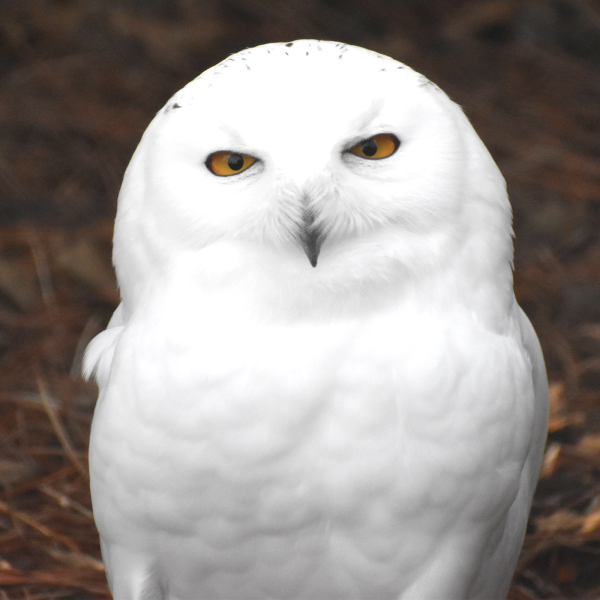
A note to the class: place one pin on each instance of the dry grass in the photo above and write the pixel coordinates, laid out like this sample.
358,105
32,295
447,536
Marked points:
81,80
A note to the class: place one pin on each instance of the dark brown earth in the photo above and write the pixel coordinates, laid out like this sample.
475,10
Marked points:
79,82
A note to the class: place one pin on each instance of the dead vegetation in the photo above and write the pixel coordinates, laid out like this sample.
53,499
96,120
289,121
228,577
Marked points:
79,83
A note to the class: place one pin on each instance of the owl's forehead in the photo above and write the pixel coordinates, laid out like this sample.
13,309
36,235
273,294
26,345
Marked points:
301,69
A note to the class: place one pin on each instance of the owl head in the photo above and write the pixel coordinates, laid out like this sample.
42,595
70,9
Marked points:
325,170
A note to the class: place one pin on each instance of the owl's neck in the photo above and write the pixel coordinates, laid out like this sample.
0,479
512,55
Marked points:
252,283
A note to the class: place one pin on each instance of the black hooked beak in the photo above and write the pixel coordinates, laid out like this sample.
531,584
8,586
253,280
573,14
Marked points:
311,237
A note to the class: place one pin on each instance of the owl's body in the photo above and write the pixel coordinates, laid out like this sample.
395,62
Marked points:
370,427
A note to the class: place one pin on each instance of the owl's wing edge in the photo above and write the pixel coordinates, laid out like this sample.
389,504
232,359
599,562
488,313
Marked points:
98,355
540,388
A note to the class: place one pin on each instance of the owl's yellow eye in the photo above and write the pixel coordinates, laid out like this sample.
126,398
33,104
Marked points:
378,146
228,163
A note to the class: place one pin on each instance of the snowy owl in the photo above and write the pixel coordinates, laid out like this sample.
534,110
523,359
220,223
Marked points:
318,384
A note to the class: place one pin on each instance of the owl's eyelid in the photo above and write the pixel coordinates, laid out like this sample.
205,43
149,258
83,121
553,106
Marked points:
231,151
360,139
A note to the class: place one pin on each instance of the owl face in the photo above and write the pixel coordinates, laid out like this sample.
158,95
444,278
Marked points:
314,155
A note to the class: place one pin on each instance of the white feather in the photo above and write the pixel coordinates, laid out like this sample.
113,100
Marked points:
371,428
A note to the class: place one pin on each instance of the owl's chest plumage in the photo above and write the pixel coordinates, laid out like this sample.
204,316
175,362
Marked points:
306,460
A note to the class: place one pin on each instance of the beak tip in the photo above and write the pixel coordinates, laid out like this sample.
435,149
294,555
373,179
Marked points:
312,251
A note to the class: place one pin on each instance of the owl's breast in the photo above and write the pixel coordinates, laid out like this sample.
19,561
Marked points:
326,454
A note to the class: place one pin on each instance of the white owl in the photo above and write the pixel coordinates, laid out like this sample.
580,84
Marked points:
318,384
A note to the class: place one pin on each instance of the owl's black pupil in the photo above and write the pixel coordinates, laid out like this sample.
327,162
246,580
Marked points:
235,162
369,148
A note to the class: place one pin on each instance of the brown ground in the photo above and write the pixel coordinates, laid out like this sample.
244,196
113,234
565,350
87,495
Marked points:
80,80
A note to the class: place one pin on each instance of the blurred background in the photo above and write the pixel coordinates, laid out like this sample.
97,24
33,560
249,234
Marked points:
79,82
